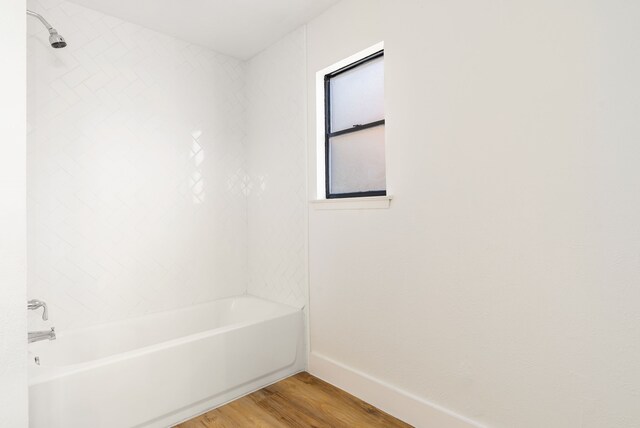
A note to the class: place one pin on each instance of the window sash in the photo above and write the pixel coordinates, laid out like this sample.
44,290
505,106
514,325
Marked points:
329,134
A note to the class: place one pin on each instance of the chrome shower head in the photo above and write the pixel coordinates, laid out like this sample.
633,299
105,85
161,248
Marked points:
56,40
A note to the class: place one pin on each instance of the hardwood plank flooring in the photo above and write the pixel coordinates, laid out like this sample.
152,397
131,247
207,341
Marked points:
300,401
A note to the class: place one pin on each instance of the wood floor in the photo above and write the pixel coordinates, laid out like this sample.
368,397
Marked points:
299,401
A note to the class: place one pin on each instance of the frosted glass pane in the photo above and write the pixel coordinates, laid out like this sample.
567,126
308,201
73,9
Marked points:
357,95
357,161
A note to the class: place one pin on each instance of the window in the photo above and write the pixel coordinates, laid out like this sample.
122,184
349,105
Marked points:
354,129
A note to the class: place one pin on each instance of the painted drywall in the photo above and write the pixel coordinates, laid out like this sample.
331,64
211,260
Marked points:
13,281
137,180
276,161
503,281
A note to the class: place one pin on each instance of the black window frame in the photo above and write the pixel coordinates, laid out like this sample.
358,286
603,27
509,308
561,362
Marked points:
355,128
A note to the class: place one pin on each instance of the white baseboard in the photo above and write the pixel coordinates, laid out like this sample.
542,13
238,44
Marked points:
407,407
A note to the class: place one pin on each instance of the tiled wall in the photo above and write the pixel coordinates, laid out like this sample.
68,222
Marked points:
276,142
136,170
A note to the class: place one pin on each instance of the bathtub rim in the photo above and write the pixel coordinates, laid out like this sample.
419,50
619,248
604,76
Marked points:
51,373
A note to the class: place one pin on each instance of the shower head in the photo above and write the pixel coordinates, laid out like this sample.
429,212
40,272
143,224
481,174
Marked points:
56,40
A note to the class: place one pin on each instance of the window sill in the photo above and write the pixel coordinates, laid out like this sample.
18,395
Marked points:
364,203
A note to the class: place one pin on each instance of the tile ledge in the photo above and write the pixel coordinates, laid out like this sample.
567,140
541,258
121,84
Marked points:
363,203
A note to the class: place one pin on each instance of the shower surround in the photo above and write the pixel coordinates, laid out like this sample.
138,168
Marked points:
147,185
162,177
135,171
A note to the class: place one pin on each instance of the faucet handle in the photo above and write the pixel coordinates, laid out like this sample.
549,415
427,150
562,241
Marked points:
34,304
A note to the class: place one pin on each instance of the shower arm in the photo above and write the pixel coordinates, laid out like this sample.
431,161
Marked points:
55,39
44,21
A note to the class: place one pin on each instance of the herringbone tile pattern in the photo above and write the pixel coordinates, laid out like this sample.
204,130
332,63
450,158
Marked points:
160,174
276,142
137,179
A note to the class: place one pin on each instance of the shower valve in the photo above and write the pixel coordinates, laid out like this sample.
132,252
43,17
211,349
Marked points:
35,304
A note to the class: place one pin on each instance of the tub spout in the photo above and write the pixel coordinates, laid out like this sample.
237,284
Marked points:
36,336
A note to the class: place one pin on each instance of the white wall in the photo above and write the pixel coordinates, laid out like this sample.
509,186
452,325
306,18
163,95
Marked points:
276,161
503,281
137,179
13,320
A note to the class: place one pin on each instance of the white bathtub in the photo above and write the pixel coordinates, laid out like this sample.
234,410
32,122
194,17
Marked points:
161,369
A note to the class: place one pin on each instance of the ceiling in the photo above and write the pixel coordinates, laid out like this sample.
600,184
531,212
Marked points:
240,28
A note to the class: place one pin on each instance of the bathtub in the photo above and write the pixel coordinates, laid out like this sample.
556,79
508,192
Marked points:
161,369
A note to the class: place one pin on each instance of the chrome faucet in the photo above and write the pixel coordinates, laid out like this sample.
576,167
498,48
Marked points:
36,336
35,304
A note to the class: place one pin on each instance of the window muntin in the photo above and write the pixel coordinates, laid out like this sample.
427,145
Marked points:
354,129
